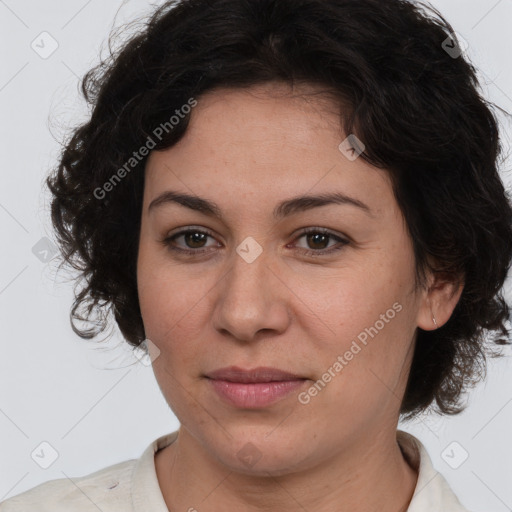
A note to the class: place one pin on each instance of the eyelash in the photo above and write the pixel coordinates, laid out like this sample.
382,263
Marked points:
167,242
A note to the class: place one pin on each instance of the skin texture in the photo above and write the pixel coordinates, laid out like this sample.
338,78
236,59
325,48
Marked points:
248,150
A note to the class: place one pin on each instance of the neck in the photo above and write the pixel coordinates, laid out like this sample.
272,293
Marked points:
372,475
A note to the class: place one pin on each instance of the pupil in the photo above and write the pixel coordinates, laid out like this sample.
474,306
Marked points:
315,236
195,237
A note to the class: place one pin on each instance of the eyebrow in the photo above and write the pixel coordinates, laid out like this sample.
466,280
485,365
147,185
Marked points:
284,209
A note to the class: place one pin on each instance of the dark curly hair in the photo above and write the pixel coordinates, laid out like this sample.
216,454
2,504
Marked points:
408,92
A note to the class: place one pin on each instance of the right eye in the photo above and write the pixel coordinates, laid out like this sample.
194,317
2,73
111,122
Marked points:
194,239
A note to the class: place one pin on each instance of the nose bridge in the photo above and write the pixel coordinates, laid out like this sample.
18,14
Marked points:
248,300
249,266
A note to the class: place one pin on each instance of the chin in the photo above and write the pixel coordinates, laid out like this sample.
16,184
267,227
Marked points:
254,461
260,452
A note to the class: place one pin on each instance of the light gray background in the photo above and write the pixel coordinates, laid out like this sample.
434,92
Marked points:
98,406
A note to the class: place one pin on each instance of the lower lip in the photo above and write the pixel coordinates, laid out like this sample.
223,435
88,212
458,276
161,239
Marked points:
254,395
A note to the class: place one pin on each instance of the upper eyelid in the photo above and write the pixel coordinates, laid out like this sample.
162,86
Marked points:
302,232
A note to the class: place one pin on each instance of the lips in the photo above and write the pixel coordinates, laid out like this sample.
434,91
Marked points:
260,374
254,389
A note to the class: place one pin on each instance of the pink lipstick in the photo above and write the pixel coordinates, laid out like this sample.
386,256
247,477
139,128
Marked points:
254,388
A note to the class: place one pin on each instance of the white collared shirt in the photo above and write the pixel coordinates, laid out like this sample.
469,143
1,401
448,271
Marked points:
132,486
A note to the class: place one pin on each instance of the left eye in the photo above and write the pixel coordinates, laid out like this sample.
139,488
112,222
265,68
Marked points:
321,236
195,238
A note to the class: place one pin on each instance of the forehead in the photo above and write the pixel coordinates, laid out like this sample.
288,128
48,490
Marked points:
262,142
263,114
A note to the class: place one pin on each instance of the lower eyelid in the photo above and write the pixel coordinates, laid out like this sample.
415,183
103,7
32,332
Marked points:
331,236
169,242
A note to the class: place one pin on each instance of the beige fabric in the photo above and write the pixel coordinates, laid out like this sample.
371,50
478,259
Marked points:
132,486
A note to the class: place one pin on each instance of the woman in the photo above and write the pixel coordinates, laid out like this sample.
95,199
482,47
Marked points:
295,206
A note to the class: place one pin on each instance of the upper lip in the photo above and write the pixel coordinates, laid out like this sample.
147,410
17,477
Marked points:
259,374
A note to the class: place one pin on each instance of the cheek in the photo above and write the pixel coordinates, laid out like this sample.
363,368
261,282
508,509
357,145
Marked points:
352,299
169,298
367,319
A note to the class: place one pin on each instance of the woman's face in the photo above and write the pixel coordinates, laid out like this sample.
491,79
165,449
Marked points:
257,292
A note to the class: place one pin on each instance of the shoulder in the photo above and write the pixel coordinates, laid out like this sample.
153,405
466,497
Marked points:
432,491
122,486
106,489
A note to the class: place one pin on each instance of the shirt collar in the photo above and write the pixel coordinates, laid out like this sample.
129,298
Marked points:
146,492
432,491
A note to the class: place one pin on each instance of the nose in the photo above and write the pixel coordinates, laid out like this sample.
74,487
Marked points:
251,300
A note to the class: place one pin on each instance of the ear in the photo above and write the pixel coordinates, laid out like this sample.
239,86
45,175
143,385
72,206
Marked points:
438,300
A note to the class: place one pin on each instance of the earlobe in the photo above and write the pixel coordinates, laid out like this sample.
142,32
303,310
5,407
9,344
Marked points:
439,301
